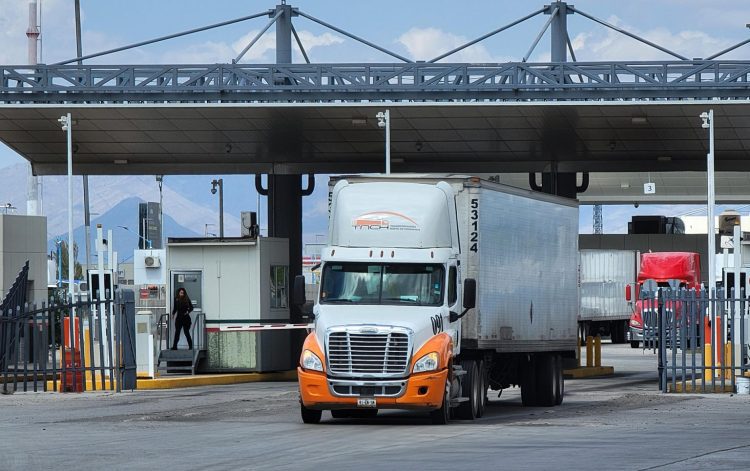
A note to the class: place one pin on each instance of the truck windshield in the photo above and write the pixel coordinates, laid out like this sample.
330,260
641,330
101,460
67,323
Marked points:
367,283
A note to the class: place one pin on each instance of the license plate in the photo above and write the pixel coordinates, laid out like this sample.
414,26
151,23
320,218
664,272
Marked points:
366,402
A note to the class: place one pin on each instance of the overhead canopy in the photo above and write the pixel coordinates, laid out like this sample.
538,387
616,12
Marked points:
489,138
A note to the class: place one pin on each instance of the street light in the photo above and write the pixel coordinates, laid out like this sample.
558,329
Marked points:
67,126
160,182
220,184
384,121
148,241
708,123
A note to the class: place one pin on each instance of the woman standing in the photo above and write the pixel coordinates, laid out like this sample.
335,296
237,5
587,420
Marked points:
181,309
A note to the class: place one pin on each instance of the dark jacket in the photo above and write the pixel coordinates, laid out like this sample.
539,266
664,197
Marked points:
182,307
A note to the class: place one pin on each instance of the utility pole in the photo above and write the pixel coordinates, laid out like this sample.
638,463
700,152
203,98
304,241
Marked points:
32,181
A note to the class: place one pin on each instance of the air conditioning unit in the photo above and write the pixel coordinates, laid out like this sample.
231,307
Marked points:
152,261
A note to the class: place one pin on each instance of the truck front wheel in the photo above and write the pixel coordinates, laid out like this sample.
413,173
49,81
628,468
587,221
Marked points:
442,415
310,416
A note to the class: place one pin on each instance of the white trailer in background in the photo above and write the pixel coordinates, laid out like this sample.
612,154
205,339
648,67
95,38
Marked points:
434,290
603,276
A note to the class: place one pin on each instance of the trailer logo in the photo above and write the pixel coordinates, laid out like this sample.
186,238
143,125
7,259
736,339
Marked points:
384,220
437,323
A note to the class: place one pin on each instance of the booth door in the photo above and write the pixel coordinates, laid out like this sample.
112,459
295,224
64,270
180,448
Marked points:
192,281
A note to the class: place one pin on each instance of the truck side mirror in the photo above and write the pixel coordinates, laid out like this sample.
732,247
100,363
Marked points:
470,293
470,299
298,291
628,293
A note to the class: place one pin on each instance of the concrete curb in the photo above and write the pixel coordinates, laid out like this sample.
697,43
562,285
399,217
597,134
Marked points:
589,372
177,382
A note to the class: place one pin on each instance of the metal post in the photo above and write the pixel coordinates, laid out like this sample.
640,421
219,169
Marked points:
58,242
384,121
220,184
708,122
283,34
559,32
221,208
67,125
662,340
32,182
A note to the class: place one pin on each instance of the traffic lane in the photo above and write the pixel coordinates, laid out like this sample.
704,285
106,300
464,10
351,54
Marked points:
620,420
247,429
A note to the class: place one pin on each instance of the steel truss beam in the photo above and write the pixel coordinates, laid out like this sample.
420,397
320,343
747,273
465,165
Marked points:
421,82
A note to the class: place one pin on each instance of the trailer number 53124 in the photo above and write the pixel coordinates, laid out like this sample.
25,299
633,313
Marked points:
474,235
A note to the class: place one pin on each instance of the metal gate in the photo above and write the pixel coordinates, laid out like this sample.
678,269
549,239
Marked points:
68,346
701,338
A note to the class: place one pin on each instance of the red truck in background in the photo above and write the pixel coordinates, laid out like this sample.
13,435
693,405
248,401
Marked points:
661,267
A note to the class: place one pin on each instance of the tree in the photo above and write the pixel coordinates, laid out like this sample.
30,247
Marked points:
77,268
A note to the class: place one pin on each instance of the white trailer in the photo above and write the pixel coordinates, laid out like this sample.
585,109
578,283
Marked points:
603,275
434,290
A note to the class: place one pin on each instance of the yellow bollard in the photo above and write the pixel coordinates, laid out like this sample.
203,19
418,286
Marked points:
728,360
598,351
589,350
707,362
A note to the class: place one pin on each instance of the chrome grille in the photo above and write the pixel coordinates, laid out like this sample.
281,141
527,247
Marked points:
368,354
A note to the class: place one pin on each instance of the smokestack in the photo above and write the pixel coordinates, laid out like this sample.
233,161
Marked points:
32,182
33,33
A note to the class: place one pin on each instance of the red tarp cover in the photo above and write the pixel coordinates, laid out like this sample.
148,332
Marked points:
663,266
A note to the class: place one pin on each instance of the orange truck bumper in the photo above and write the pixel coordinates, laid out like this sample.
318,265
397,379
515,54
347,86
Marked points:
424,391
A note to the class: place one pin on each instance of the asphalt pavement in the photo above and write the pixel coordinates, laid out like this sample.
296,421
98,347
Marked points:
619,422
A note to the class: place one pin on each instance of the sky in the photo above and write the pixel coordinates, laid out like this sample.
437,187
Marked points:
417,29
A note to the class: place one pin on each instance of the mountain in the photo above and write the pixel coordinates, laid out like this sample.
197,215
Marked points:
188,201
125,239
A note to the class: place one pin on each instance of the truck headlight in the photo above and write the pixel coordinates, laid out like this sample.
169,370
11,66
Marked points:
310,361
428,362
635,323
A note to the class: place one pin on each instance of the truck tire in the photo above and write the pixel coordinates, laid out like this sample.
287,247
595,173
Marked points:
634,344
482,388
546,380
560,383
310,416
441,416
471,384
528,384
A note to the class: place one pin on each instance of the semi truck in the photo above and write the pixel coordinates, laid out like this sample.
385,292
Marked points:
434,291
603,276
661,267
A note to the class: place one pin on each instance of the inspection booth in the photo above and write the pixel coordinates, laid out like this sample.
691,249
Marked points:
237,283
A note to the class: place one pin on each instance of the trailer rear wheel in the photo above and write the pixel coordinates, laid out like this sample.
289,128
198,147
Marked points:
528,384
540,378
546,380
310,416
471,384
560,380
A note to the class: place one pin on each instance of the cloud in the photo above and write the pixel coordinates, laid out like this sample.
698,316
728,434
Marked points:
57,38
605,44
427,43
262,51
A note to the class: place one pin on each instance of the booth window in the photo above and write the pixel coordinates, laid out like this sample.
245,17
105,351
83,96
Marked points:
279,283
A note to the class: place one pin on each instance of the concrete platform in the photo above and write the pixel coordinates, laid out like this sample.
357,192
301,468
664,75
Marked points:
589,372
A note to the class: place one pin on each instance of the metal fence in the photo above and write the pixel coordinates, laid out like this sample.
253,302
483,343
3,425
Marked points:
701,338
69,346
